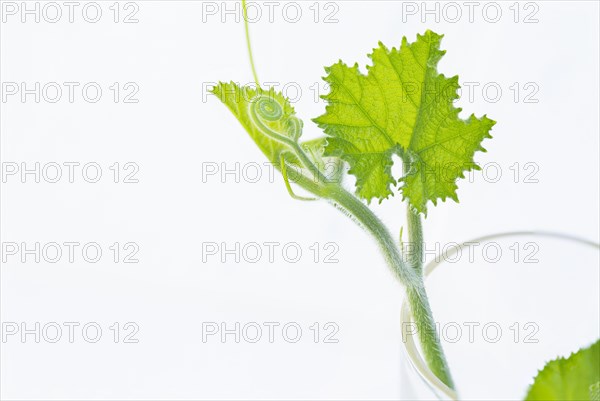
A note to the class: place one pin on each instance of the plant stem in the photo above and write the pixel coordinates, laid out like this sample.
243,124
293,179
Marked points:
419,302
367,219
414,250
428,336
410,277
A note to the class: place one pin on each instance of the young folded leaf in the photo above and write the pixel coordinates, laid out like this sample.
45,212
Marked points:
271,122
265,114
402,106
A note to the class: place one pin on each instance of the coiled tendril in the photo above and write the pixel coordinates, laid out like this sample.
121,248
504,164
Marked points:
294,127
264,110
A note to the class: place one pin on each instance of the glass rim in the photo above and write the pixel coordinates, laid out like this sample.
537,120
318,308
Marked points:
411,348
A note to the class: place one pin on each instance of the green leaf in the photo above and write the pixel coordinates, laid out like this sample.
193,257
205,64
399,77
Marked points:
332,167
271,122
574,378
266,115
401,106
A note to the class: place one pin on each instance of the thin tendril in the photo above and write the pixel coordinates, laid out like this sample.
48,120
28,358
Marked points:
248,44
287,181
263,107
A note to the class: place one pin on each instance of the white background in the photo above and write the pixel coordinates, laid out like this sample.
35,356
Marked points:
175,130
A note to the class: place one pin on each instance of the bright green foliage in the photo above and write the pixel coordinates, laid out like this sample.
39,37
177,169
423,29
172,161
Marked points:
270,121
266,115
402,106
574,378
332,167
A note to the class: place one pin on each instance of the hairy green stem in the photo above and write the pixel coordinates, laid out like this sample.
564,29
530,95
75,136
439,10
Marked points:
408,275
428,336
414,250
367,219
419,302
308,163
